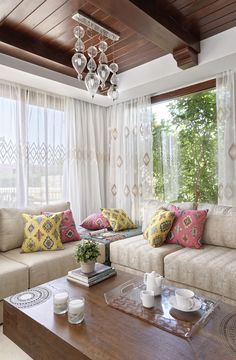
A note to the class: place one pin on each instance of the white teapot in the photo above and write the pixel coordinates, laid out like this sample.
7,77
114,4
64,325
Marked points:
153,281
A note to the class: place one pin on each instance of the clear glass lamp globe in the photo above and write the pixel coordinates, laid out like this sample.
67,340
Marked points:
79,46
103,72
114,67
92,83
114,79
79,32
92,51
113,92
103,58
102,46
79,62
91,66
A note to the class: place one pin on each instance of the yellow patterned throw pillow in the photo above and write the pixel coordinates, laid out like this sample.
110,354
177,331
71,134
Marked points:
42,233
161,223
118,219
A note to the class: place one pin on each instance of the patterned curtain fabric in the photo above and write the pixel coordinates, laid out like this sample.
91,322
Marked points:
225,100
86,157
130,168
170,166
31,146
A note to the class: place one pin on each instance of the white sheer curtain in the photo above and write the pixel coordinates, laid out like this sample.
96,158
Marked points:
31,146
130,168
86,157
226,118
170,158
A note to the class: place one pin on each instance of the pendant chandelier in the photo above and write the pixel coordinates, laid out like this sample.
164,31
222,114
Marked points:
94,57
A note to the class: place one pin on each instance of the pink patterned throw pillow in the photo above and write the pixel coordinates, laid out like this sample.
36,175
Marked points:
188,227
95,222
68,230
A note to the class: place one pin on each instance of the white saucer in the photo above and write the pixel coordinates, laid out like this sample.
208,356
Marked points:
197,305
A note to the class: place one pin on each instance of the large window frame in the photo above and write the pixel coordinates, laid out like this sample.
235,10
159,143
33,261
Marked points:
188,90
172,161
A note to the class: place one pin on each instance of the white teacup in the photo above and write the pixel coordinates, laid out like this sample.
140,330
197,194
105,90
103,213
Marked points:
147,297
184,298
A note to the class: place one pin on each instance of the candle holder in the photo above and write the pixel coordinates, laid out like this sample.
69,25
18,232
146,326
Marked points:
60,302
76,310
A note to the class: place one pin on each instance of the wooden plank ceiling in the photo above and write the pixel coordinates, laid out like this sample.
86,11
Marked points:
41,31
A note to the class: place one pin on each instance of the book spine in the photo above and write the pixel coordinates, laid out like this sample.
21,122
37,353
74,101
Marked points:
102,278
76,281
92,283
88,279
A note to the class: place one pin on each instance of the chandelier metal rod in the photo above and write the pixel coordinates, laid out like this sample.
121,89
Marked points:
93,24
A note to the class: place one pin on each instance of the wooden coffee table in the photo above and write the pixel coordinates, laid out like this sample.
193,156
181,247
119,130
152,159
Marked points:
106,333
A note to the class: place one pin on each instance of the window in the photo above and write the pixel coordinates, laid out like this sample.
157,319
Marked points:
185,148
46,152
7,153
32,147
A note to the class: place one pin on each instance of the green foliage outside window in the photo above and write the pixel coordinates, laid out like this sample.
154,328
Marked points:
193,124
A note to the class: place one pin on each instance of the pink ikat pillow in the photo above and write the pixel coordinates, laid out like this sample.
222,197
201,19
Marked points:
95,222
68,230
187,228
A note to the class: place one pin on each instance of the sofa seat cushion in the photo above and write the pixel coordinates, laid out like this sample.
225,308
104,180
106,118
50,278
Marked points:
137,254
13,277
212,268
48,265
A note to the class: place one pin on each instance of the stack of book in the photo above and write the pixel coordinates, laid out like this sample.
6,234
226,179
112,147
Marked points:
100,273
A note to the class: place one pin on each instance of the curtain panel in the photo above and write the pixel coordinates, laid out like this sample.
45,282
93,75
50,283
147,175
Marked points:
31,146
226,119
130,167
87,157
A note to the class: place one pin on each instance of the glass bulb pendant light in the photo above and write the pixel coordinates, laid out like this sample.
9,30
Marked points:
113,92
114,79
92,53
103,73
102,47
92,83
79,46
114,67
79,62
103,70
79,32
98,70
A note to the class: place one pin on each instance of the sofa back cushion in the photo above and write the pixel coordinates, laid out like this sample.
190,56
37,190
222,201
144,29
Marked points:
151,206
12,223
220,226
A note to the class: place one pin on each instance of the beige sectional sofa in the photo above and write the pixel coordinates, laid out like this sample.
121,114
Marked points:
20,271
210,270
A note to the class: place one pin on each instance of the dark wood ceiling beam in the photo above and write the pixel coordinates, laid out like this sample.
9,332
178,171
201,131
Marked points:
185,57
156,25
37,60
33,45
